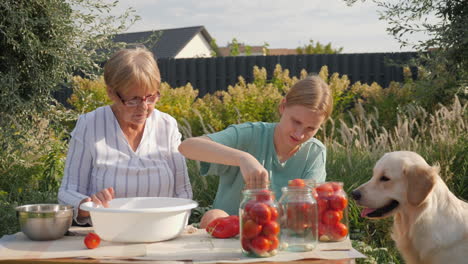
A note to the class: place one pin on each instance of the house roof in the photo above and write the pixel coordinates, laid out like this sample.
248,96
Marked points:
169,42
282,52
225,51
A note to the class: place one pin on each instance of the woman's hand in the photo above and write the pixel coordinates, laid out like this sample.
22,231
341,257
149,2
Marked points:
83,213
103,197
255,175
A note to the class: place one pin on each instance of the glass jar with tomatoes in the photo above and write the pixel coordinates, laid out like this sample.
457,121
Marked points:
332,204
299,222
259,223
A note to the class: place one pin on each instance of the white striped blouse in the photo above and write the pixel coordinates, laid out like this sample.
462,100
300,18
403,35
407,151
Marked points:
100,156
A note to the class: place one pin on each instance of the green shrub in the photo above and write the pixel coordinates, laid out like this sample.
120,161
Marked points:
31,162
88,94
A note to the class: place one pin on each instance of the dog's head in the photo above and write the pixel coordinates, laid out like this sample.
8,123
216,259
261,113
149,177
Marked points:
399,179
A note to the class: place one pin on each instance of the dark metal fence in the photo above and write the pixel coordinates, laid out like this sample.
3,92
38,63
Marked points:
211,74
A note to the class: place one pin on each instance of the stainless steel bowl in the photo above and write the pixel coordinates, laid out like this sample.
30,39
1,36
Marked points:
44,221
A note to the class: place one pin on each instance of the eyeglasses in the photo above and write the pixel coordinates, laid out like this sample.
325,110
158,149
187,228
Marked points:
149,100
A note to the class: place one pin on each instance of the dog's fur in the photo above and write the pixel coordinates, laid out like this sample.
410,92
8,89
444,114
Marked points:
430,224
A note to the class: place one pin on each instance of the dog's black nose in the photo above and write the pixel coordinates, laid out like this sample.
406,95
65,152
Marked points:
356,195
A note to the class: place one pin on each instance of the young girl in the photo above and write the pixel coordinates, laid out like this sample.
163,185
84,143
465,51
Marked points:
255,155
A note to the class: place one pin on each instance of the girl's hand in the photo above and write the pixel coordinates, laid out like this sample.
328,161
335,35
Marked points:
103,197
255,175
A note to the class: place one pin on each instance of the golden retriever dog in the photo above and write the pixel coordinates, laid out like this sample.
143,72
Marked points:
430,224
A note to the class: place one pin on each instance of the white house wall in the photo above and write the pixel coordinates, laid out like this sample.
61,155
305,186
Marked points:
196,48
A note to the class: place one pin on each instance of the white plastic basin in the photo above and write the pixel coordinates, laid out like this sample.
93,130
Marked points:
140,219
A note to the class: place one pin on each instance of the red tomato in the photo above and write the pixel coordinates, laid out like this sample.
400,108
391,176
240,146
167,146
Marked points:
274,213
250,229
260,213
331,217
325,190
322,205
322,229
292,211
338,202
264,195
224,227
306,212
338,231
246,245
298,227
311,214
296,220
314,193
296,183
274,242
233,218
248,206
260,245
92,240
307,208
271,228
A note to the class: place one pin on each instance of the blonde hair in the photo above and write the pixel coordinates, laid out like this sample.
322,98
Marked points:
313,93
128,67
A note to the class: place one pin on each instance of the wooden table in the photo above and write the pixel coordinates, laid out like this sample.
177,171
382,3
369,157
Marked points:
109,261
131,261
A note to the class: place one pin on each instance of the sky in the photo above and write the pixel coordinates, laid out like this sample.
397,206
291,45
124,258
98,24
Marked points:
280,23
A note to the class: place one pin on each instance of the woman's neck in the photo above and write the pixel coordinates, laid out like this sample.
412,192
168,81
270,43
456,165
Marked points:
283,152
133,132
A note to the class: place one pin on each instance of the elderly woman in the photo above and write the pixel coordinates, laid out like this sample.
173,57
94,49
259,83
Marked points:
127,149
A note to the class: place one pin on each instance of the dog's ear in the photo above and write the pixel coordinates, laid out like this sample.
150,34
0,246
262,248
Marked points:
421,181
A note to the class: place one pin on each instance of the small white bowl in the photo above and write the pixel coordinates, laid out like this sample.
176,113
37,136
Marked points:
140,219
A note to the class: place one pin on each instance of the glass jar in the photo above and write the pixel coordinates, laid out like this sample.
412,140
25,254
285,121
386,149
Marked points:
332,211
259,223
299,222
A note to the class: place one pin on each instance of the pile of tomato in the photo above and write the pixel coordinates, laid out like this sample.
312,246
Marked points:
259,226
332,205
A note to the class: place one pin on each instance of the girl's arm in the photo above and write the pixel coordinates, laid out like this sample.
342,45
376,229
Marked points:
204,149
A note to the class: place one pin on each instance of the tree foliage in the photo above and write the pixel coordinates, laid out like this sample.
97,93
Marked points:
318,48
444,54
237,48
214,48
234,47
43,43
445,21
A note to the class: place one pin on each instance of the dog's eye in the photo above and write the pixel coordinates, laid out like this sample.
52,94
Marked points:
384,178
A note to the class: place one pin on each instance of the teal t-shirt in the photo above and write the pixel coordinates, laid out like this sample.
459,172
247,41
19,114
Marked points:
257,139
